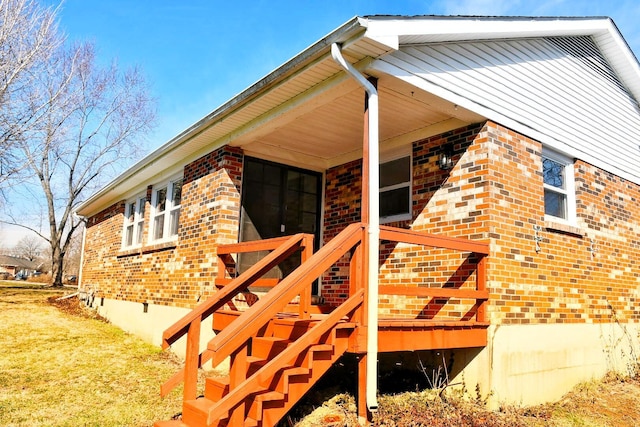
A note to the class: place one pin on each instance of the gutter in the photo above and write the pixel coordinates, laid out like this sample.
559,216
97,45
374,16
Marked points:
373,228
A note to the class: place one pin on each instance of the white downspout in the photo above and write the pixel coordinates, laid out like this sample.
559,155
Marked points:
374,228
84,239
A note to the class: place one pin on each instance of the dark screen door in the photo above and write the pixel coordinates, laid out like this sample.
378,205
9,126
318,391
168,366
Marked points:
278,200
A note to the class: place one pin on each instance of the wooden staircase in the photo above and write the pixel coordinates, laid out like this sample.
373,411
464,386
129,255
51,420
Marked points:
268,398
275,357
277,354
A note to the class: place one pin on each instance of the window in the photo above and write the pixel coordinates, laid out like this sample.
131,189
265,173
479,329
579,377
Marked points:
134,221
395,188
166,210
559,189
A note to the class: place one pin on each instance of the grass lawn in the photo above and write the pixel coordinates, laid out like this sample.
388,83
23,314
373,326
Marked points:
59,369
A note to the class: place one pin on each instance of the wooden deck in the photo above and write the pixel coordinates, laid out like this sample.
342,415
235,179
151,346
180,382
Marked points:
393,334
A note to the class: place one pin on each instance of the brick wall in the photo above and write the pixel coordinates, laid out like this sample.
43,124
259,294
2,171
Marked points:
494,193
178,273
343,190
566,281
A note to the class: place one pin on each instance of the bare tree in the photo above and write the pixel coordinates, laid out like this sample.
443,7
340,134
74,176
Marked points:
29,247
73,255
28,36
87,122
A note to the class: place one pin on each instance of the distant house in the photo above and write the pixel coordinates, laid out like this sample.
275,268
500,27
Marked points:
482,199
14,265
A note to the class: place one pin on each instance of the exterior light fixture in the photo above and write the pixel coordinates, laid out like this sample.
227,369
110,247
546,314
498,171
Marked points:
445,159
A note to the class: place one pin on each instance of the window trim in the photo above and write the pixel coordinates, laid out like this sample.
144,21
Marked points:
168,210
136,223
389,156
570,188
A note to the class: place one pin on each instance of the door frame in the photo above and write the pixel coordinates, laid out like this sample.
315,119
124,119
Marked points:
319,202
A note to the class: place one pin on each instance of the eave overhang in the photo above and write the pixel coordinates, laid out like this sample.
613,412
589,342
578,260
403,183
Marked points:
310,86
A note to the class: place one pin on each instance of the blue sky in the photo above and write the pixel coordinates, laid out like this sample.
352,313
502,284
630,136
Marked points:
197,54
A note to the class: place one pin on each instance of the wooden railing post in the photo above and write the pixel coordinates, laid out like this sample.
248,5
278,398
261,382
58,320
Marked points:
237,375
192,360
304,305
481,285
222,268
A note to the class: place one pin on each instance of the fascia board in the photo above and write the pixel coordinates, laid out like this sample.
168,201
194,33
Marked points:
455,29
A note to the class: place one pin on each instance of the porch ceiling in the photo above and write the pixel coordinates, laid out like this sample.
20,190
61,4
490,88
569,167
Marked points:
331,132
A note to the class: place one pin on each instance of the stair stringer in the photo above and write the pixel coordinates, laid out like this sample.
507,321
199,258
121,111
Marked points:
329,337
318,361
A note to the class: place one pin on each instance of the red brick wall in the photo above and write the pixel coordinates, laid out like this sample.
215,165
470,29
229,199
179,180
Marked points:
565,282
495,193
179,273
343,190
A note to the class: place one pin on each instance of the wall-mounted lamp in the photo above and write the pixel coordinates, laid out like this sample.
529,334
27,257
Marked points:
445,159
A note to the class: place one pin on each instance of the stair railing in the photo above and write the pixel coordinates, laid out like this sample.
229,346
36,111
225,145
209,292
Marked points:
233,341
190,324
478,248
262,377
258,315
226,262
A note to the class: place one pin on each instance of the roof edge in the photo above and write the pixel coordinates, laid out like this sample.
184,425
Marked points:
345,32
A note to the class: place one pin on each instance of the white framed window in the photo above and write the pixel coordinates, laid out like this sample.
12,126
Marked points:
165,213
559,187
134,221
395,185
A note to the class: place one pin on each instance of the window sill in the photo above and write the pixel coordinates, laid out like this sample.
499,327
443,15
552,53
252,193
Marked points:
156,247
558,227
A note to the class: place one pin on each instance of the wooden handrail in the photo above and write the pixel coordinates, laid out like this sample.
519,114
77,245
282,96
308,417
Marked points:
435,241
220,298
264,374
421,291
253,245
190,323
250,321
479,248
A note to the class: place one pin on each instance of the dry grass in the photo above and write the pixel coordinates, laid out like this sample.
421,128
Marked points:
61,369
63,366
614,402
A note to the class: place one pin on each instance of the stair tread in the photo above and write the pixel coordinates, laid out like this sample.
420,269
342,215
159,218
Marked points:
296,370
200,404
322,347
171,423
269,395
222,380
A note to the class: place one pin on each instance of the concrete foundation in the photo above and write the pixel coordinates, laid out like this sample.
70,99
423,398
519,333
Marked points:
150,321
522,364
531,364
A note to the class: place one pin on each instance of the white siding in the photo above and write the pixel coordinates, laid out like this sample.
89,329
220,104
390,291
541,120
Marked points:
558,90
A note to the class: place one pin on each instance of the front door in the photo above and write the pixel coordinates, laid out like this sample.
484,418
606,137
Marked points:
278,200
